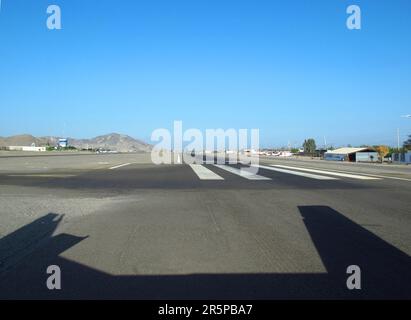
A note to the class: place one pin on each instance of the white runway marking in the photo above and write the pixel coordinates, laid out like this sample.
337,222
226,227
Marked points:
387,177
332,173
205,174
372,175
119,166
307,175
243,173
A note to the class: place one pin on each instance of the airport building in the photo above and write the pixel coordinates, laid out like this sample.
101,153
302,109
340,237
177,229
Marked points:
352,155
63,143
26,148
402,157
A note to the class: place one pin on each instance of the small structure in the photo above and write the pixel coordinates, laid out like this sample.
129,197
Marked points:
352,155
320,153
404,157
63,143
26,148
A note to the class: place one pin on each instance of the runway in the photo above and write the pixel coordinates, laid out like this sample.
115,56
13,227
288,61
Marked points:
121,227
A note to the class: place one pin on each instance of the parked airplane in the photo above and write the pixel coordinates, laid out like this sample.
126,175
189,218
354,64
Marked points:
285,154
282,154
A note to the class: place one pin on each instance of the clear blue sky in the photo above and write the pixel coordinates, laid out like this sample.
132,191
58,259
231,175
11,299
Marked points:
290,68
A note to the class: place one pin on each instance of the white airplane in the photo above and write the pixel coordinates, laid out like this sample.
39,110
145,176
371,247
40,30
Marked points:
282,154
285,154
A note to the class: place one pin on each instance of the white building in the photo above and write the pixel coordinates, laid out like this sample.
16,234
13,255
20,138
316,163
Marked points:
63,143
26,148
352,155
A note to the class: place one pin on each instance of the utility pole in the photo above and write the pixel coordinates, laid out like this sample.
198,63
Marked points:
398,139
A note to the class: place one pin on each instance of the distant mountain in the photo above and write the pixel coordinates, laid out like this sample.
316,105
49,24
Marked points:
20,140
112,141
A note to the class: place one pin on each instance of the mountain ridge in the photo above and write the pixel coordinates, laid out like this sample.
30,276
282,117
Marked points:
113,141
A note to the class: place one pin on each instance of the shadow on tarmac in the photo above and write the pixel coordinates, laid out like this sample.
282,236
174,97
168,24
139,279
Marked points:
339,242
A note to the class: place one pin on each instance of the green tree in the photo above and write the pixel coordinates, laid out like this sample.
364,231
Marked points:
309,146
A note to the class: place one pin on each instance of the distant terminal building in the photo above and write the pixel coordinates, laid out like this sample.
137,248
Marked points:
26,148
63,143
352,155
404,157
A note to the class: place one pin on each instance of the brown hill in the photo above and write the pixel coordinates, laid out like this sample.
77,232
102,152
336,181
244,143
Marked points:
112,141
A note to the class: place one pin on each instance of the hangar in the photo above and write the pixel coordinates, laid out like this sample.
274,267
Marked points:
352,155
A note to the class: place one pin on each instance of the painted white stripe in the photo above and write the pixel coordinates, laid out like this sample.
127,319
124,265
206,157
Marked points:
371,175
387,177
243,173
204,173
119,166
296,173
332,173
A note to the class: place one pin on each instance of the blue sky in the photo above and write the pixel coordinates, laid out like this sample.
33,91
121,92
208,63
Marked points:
290,68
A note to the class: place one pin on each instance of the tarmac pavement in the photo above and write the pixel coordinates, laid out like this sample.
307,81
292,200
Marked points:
121,227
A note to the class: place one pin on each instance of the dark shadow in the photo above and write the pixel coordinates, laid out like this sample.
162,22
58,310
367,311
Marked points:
25,239
339,241
386,271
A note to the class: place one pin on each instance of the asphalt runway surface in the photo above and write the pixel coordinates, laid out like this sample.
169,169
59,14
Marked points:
120,227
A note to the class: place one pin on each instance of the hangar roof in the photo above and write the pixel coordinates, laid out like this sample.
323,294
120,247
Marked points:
350,150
